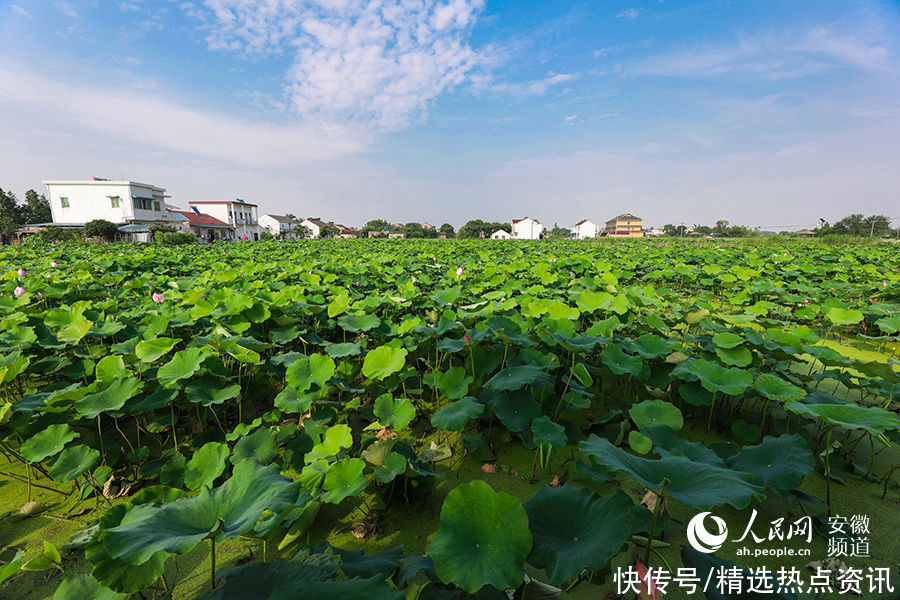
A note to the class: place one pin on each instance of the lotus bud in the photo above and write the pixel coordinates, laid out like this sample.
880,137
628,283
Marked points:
19,290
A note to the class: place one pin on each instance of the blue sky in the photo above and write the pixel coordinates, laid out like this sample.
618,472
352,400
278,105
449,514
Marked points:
770,114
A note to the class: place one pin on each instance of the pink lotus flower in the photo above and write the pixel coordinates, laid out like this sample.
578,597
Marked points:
53,264
19,290
159,299
467,338
40,295
884,284
459,272
21,272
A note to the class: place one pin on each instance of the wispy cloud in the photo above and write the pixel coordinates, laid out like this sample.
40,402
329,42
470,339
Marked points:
141,119
20,11
536,87
379,63
629,13
773,56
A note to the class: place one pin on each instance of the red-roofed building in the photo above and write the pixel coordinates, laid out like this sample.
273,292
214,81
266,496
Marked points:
585,229
205,227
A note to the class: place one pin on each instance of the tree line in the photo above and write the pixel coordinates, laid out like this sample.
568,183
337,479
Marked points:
13,215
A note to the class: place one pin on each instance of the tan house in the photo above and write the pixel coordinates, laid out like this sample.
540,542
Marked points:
806,233
625,225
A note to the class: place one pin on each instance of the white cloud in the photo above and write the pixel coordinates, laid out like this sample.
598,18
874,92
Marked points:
629,13
139,119
773,56
379,62
537,87
20,11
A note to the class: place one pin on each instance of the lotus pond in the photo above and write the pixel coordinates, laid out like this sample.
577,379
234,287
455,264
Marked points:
449,419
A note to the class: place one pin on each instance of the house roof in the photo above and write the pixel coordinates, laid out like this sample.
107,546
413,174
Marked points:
201,219
282,218
514,221
581,222
625,216
317,222
221,202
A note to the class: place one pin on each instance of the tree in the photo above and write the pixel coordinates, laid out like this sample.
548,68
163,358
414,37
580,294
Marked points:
414,230
447,230
9,215
559,232
303,232
329,231
721,228
703,229
36,209
157,228
374,225
100,228
878,226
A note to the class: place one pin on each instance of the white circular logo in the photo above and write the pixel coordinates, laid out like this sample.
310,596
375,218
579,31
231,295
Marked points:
701,539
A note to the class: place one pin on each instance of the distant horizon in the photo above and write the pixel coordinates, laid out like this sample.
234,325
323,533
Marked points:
767,115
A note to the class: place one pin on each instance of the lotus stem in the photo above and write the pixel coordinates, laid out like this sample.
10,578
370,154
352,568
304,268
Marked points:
828,472
31,483
656,510
712,407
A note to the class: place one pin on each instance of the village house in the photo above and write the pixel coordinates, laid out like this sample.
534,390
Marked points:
346,232
585,230
527,229
206,227
240,215
131,205
281,226
501,234
625,225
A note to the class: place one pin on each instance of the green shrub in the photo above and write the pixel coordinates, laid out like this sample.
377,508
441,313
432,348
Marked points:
100,228
53,233
158,228
176,238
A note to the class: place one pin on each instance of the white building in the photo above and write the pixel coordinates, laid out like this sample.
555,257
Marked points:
75,202
281,226
315,227
527,229
236,213
500,234
585,230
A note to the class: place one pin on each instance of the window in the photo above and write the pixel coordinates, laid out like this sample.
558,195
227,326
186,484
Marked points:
156,206
64,201
114,201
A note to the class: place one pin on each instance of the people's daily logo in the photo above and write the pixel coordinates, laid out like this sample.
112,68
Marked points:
701,538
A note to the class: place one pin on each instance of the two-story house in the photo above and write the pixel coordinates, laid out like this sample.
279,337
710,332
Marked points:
527,229
75,202
281,226
585,230
240,215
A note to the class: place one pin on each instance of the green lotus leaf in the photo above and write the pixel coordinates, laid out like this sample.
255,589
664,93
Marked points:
639,442
374,588
336,438
483,539
516,410
581,374
261,446
727,340
154,349
313,475
651,346
343,350
339,304
315,369
84,587
110,367
454,417
574,529
889,325
205,465
843,316
344,479
12,365
453,383
72,462
715,378
736,357
515,378
873,420
620,363
394,412
12,567
258,580
47,442
383,362
694,484
115,573
546,432
651,413
356,323
291,401
183,365
774,387
228,511
355,563
392,465
209,390
111,398
75,331
779,462
446,296
666,443
878,370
